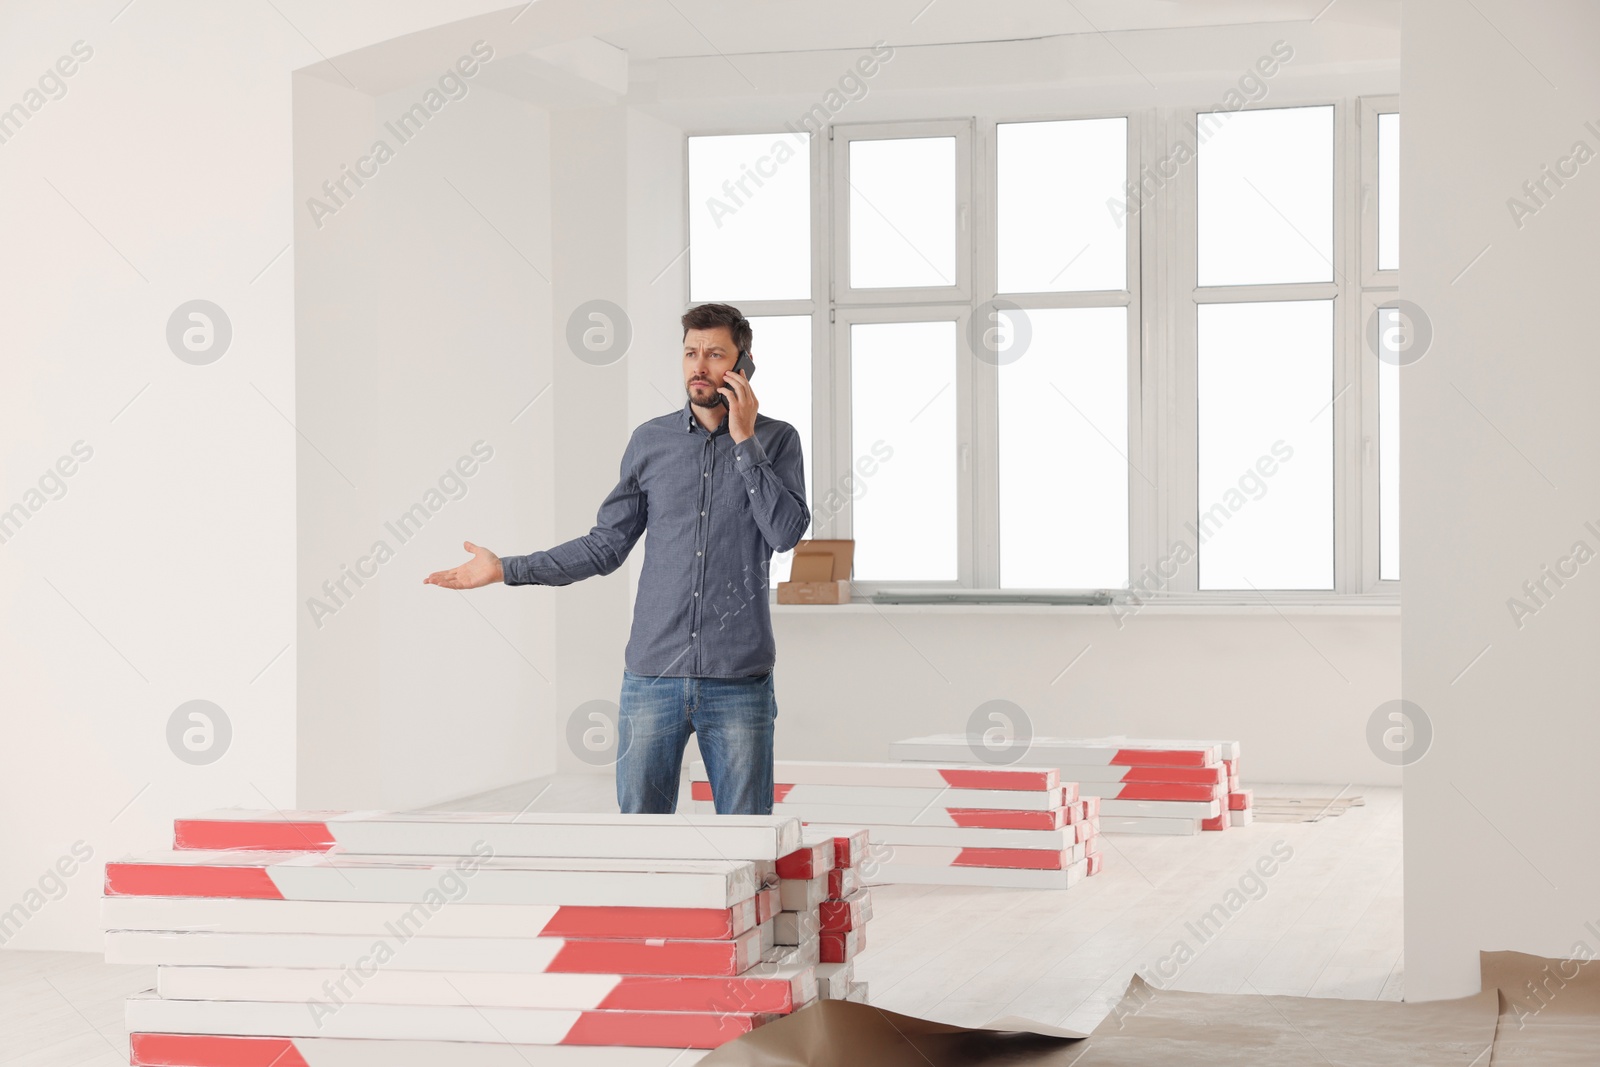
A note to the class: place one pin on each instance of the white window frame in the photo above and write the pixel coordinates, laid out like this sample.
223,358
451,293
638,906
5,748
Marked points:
821,460
1380,288
843,518
1371,442
839,138
1369,108
986,376
1162,296
1183,486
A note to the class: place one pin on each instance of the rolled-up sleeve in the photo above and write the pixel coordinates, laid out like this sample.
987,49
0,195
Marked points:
617,528
776,485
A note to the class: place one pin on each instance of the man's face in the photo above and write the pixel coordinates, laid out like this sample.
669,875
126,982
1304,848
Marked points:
707,356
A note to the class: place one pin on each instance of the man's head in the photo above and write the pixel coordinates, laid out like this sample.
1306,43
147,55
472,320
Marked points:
713,334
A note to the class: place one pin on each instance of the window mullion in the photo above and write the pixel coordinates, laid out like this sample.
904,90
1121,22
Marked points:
1349,468
1178,216
983,482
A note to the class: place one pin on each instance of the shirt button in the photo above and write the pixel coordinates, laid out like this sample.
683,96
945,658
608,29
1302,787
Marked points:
705,474
752,492
702,513
697,592
698,553
693,633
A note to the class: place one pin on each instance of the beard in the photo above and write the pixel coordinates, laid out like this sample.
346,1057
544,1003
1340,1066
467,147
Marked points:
712,401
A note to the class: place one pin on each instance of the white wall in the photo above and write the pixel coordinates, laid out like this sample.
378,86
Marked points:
1498,439
167,571
1296,692
1020,79
424,332
591,243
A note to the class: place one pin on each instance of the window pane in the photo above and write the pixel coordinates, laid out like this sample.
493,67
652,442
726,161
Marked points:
1057,232
1063,448
1266,196
750,217
903,449
1389,452
903,212
781,349
1266,446
1389,191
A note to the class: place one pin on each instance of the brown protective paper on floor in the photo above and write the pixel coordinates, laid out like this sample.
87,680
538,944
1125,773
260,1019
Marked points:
1153,1026
1549,1009
848,1034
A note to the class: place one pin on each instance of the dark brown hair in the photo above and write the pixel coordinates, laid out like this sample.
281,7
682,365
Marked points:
710,316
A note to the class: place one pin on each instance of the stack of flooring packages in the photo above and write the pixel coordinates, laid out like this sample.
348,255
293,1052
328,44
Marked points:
1144,786
947,824
362,938
825,904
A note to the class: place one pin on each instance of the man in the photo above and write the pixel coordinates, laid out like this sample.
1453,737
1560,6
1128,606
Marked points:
721,488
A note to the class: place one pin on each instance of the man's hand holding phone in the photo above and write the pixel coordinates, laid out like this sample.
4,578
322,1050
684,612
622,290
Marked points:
740,400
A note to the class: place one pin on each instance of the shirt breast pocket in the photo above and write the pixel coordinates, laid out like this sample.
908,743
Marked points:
732,493
735,499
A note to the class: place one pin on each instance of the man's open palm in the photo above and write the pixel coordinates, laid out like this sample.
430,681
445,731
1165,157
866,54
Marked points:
482,569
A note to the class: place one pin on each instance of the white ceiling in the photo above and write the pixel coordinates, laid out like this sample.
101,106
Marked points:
684,28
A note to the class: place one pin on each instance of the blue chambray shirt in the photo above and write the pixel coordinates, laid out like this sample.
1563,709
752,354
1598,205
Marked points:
716,512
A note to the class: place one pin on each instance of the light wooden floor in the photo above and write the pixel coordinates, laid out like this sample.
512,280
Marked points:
1328,923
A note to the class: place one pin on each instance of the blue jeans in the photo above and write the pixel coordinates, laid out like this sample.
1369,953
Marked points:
733,718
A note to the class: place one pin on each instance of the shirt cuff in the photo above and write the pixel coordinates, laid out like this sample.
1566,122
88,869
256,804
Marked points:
748,454
513,570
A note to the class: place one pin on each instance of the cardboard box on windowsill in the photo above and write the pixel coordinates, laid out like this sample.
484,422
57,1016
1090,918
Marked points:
819,574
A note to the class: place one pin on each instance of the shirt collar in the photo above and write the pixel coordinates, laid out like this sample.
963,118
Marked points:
690,423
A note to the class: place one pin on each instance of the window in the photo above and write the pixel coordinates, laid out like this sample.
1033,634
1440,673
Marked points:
1063,418
1393,330
751,237
749,217
781,350
1388,190
1389,369
1054,182
1266,196
903,416
1062,363
988,401
902,198
1265,519
1264,363
902,213
1389,455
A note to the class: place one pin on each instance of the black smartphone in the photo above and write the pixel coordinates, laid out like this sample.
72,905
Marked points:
745,366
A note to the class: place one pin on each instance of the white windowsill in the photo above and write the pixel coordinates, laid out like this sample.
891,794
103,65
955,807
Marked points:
1350,605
